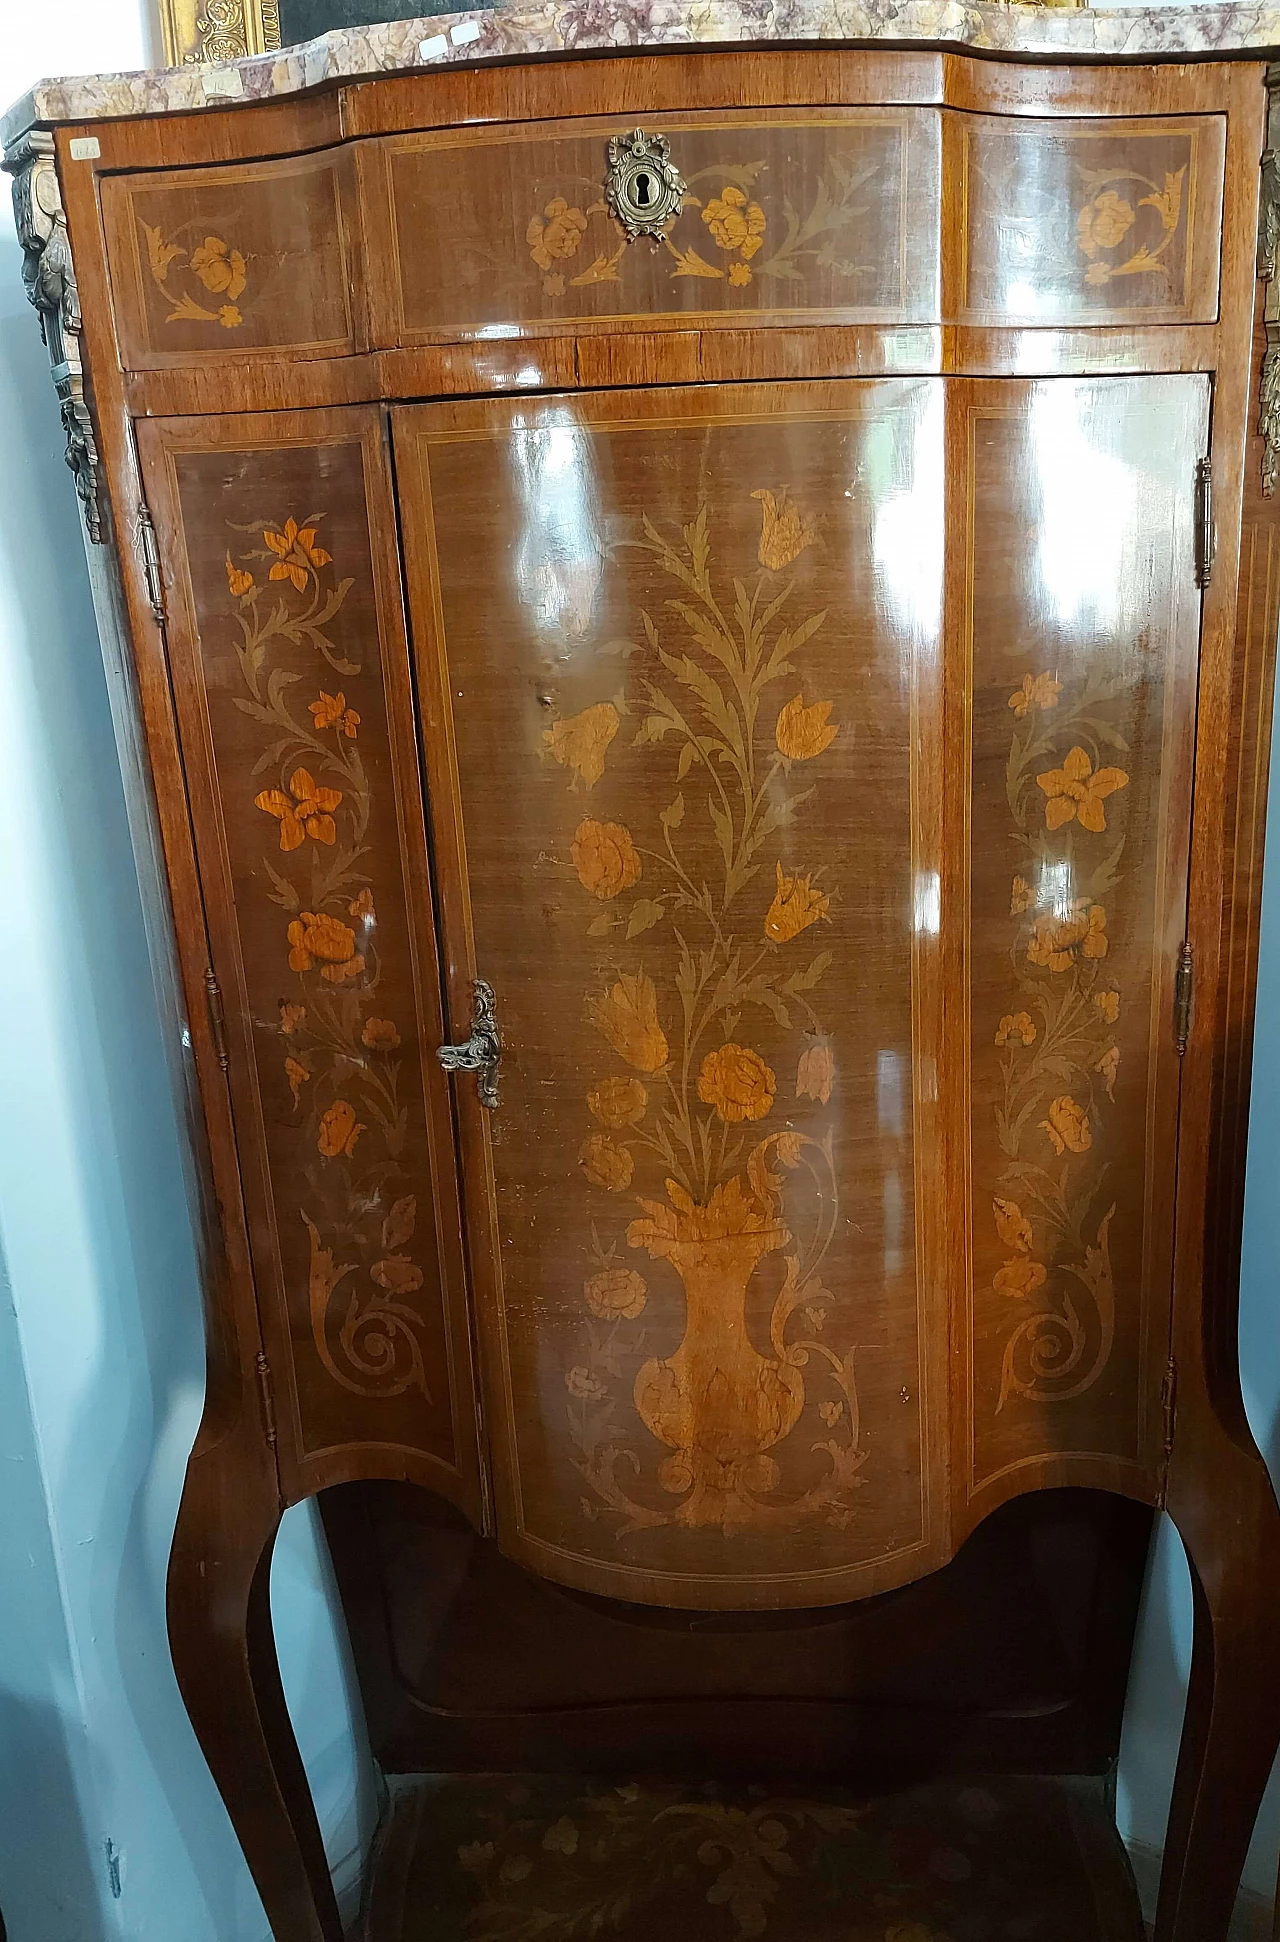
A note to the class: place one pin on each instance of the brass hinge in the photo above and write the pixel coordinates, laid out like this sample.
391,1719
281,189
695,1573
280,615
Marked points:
1183,984
217,1019
1169,1405
268,1401
150,550
1204,522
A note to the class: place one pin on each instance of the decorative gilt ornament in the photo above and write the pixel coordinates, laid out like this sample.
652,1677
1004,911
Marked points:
643,188
218,30
49,275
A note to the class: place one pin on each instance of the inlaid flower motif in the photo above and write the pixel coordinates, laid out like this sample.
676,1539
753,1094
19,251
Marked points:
784,535
238,580
1012,1225
740,274
628,1016
339,1130
229,316
315,934
732,1210
1109,1066
605,1164
556,234
561,1837
380,1035
219,267
581,1383
297,1075
615,1294
618,1102
1067,1126
292,1017
815,1072
397,1274
801,732
580,742
1037,691
1076,792
1016,1026
1057,941
1021,897
737,224
331,711
605,858
362,906
1108,1004
297,555
737,1082
1020,1277
796,905
1104,222
308,814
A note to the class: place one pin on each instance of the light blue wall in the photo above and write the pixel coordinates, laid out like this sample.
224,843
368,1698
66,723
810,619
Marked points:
101,1351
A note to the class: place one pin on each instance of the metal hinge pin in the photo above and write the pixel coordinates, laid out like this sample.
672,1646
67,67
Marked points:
150,548
1183,988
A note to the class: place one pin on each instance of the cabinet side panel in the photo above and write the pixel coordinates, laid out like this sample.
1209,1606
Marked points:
289,661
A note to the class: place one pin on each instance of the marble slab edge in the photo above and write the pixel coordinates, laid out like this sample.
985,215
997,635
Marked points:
568,27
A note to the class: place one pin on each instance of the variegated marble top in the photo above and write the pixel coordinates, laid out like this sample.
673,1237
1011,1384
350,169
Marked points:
580,26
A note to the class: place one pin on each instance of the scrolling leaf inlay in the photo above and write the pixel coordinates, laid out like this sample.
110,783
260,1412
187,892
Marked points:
339,1054
217,266
742,239
727,695
1061,1053
1106,223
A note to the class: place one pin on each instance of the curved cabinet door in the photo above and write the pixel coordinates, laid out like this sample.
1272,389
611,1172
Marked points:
720,691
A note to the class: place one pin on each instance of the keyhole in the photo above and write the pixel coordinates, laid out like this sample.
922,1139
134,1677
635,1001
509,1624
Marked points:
644,190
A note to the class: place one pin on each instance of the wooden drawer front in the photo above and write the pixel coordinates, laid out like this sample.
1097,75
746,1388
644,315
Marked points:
1091,221
211,264
830,214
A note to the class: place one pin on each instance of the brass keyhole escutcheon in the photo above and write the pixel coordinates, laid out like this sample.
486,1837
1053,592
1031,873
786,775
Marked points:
643,188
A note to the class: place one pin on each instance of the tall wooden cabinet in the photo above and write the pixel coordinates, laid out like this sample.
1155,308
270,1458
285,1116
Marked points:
703,631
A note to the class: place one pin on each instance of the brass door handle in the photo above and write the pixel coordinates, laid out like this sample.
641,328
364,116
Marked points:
481,1052
643,187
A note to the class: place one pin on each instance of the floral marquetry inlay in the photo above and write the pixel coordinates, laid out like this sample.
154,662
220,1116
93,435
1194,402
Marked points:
203,280
1059,1050
677,1119
1109,226
339,1051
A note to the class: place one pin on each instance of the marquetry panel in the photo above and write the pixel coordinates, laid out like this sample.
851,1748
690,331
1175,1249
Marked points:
1082,630
214,264
679,658
1102,221
291,682
787,213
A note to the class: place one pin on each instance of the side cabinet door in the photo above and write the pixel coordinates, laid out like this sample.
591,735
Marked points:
678,654
1078,655
292,691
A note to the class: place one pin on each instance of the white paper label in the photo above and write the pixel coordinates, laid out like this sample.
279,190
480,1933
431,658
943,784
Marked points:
431,50
85,148
466,30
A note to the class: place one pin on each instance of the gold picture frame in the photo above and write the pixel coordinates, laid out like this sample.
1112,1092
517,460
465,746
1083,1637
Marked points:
218,30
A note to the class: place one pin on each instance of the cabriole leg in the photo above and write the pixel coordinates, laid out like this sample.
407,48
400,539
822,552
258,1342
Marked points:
225,1657
1232,1727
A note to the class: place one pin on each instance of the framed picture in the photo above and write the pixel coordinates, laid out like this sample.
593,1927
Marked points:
226,30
